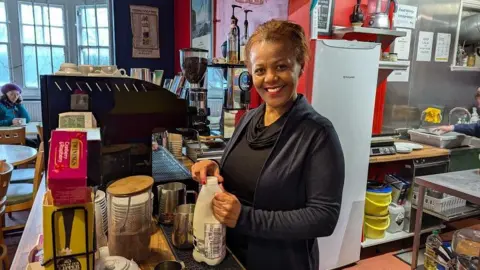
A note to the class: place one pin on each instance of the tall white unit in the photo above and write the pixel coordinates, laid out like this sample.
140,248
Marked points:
344,86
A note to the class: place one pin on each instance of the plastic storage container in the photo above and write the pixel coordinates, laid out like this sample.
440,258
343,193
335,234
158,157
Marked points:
397,218
447,141
440,205
466,244
375,227
208,233
377,201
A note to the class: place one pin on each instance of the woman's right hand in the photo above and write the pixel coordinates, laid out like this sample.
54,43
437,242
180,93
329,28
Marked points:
204,168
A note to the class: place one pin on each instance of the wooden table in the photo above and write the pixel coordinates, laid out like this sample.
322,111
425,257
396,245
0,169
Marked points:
17,154
427,151
30,128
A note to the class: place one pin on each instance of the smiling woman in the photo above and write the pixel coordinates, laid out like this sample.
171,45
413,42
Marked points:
283,169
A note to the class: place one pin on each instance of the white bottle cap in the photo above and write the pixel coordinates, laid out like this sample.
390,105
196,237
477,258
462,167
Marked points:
212,180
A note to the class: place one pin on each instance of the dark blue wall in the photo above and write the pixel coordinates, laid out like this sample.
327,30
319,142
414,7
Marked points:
123,36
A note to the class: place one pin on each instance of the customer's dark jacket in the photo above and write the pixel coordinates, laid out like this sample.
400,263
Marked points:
468,129
298,194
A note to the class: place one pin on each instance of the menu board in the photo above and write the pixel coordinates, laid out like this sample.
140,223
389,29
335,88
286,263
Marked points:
321,16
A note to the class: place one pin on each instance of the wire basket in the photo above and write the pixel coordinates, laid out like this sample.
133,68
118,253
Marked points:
440,205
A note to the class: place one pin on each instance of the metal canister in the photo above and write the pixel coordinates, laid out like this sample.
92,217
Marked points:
182,235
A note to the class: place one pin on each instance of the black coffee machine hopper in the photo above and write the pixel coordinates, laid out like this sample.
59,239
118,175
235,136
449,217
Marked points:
357,15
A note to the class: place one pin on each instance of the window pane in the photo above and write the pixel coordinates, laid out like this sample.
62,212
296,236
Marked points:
3,16
104,57
3,32
45,55
91,38
42,34
102,17
56,16
103,36
46,14
89,56
44,60
46,35
28,36
26,13
38,15
58,58
58,37
90,18
4,65
30,73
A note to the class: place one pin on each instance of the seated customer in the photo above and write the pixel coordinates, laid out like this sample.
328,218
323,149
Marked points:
11,108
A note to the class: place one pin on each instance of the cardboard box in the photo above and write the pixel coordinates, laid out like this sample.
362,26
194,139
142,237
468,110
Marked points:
71,228
94,163
67,167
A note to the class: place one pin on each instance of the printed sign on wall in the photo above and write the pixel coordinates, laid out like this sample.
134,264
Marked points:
144,22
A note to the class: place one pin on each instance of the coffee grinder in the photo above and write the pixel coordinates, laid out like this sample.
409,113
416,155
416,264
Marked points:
194,66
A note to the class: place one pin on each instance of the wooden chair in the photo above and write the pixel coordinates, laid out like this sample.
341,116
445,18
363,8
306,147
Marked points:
40,132
13,136
20,196
5,174
4,264
26,174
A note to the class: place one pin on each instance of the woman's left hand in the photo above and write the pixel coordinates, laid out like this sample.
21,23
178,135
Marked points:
226,208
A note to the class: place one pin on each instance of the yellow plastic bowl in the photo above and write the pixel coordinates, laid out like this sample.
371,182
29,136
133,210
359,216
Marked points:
376,204
375,227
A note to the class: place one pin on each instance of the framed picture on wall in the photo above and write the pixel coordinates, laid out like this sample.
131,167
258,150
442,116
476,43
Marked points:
201,21
321,18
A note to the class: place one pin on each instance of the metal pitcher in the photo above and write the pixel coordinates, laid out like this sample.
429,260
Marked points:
170,196
182,236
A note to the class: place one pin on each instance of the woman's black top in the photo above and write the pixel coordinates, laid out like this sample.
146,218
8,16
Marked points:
243,166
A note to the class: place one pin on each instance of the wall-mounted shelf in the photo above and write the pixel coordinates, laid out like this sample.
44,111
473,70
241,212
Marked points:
399,65
453,214
469,69
391,237
383,36
387,67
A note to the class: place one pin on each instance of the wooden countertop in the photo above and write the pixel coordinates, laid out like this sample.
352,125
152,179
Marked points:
160,250
427,151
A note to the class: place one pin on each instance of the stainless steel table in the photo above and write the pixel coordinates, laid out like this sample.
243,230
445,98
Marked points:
462,184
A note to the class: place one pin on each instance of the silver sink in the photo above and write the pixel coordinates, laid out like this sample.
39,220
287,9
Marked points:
474,142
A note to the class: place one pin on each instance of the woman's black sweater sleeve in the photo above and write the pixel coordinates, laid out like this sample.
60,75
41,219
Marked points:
324,173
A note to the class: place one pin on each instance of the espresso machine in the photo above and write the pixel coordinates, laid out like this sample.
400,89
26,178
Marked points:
236,84
194,66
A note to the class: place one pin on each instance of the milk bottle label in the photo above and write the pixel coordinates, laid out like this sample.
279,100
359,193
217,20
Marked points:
214,245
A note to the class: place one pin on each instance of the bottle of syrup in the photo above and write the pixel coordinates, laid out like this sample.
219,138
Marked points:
233,39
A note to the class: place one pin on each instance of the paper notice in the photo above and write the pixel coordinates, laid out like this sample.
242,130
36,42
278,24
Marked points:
402,44
399,75
425,44
406,16
442,51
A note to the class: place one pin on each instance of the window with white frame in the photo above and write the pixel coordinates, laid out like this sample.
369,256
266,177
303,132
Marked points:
93,34
4,55
43,41
37,36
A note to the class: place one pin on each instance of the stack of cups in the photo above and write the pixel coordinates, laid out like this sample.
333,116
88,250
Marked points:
175,145
101,218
